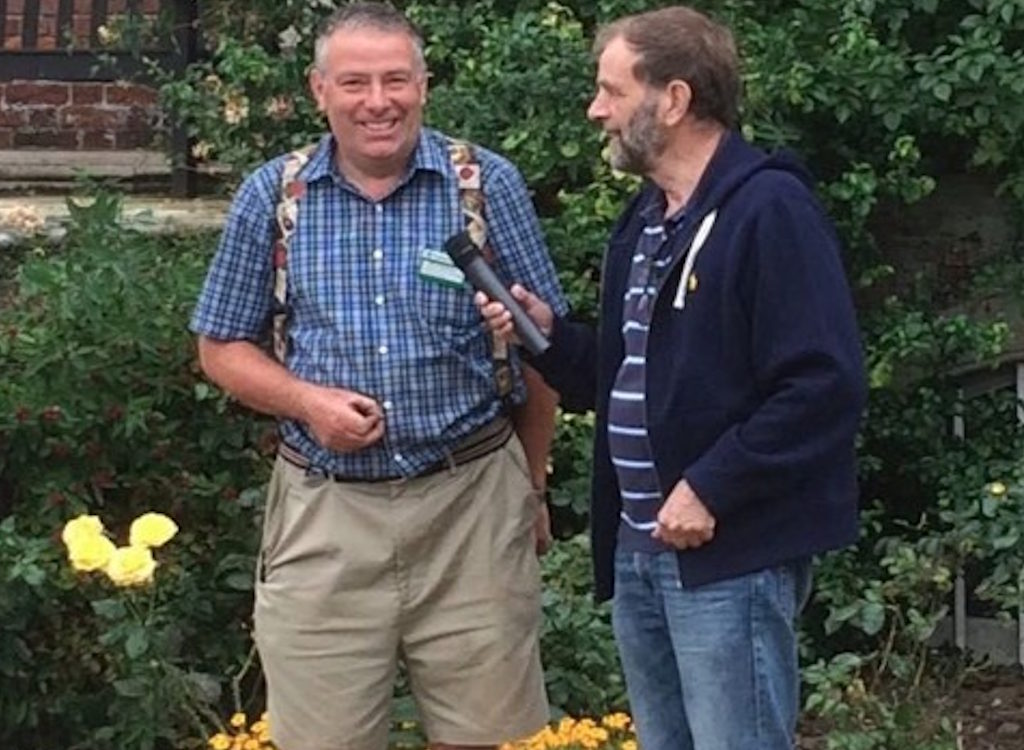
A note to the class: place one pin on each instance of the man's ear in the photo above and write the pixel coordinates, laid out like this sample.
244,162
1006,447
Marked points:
679,98
424,87
316,86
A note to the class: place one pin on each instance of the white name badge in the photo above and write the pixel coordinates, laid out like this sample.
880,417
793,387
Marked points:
439,268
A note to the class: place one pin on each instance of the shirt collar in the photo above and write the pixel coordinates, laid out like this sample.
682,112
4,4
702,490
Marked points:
653,211
430,154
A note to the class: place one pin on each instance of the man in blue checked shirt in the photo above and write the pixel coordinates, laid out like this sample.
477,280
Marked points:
404,512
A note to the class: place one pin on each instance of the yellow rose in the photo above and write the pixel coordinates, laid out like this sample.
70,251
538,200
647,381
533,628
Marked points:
220,741
81,527
90,552
237,720
151,530
131,566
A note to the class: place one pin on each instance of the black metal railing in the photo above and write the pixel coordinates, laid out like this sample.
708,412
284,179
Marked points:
78,60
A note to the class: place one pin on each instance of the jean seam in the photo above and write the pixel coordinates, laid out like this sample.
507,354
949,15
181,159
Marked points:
757,647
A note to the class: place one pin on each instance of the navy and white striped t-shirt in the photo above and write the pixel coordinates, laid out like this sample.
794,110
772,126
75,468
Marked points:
627,416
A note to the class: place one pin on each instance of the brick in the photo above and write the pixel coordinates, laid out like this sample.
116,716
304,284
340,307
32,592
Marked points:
43,118
13,117
83,7
12,26
47,27
81,31
131,94
151,7
46,139
92,118
12,42
134,138
98,139
140,119
33,93
15,7
87,93
6,138
48,6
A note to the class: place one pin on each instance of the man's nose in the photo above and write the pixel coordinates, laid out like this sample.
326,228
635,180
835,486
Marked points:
376,98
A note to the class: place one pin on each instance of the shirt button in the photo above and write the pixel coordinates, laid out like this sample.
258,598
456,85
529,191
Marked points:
378,254
398,457
383,349
388,406
378,208
379,299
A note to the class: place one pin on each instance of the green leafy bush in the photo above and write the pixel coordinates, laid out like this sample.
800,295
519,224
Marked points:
101,410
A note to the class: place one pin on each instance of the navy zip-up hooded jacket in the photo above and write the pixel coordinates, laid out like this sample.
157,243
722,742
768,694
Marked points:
755,381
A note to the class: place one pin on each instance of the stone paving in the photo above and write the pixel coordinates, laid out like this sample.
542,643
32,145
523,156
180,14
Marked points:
23,218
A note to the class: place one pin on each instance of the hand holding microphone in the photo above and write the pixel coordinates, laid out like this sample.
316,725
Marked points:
516,314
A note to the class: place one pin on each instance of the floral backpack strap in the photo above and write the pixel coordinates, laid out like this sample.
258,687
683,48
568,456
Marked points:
471,200
287,214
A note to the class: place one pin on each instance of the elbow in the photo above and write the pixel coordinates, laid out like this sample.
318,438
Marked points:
209,353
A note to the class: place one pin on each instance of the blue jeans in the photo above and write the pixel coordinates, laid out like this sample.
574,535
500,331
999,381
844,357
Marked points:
712,667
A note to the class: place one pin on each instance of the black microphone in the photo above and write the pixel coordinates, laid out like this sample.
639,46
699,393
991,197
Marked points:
467,257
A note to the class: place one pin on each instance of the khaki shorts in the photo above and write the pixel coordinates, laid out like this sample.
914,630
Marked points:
438,571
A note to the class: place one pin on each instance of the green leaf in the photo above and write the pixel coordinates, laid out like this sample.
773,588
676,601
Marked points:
136,644
942,91
109,609
131,687
872,618
1007,540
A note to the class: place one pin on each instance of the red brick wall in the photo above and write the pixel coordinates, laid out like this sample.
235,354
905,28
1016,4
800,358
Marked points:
64,115
54,114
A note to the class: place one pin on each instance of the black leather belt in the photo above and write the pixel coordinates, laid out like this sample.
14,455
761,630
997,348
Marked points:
486,440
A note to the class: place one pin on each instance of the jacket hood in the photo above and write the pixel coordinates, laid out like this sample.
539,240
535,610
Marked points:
733,164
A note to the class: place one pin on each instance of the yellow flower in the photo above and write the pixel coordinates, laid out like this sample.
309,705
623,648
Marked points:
81,527
629,745
88,553
258,726
220,741
616,721
201,150
131,566
997,489
237,720
151,530
251,745
236,109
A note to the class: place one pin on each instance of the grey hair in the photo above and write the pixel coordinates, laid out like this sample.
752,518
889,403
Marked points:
367,15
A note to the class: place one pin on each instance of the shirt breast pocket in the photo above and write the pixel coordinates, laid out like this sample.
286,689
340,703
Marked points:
446,310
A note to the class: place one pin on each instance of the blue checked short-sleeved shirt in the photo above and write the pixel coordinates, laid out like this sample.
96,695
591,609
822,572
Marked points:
361,315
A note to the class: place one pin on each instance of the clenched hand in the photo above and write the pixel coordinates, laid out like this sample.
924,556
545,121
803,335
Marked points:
684,521
342,420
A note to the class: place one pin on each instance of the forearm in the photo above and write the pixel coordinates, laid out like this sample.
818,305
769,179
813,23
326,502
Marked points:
249,374
534,422
570,365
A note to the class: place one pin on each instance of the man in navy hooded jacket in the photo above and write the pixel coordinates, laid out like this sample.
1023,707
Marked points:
727,379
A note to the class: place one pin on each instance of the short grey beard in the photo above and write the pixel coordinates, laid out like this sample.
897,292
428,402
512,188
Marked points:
639,143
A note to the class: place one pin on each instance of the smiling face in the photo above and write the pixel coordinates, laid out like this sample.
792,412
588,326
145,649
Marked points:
371,85
628,110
